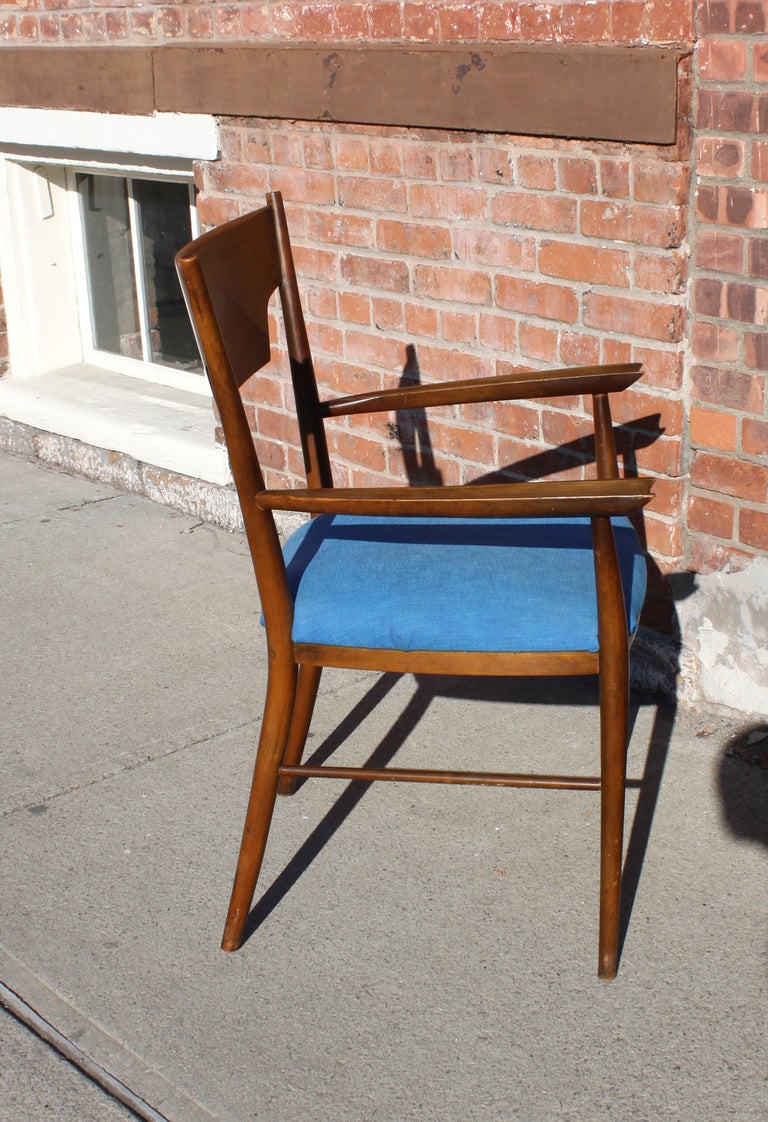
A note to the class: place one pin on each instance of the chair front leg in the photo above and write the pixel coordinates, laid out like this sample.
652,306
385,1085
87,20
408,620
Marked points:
275,726
306,694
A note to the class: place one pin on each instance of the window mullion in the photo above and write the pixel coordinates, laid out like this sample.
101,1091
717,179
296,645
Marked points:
137,247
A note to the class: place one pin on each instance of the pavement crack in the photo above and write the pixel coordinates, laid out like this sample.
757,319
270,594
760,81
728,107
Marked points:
40,804
82,503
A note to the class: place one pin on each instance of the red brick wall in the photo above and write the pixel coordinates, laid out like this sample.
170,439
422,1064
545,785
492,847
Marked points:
133,21
726,510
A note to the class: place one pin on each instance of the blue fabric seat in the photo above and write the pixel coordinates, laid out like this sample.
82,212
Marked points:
454,584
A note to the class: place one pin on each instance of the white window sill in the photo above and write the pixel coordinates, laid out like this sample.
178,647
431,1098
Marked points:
169,428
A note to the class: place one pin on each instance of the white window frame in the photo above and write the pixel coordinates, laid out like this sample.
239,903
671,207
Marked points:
137,368
49,384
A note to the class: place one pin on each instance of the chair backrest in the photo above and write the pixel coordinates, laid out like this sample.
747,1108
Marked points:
228,277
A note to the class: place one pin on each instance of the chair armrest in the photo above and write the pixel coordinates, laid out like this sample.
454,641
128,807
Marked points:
587,497
536,383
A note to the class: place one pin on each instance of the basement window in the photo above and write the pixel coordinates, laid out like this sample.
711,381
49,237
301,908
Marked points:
132,312
93,208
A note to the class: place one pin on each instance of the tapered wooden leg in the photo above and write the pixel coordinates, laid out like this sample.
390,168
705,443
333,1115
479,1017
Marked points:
306,694
278,711
614,707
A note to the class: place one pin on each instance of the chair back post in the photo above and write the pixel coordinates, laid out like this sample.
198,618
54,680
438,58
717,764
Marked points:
260,528
311,425
605,442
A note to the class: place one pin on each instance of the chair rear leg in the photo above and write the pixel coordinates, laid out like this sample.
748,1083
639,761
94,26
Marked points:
614,713
278,710
306,694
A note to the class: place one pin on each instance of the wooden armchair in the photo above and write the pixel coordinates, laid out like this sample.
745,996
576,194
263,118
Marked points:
543,578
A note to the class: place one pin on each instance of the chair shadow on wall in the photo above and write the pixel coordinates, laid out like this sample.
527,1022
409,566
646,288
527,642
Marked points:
411,431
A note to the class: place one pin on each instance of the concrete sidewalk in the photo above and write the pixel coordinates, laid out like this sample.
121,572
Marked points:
425,952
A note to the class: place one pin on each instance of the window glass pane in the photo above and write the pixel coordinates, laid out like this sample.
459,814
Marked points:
165,228
109,264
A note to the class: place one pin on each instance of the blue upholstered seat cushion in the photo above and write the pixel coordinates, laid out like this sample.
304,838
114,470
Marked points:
453,584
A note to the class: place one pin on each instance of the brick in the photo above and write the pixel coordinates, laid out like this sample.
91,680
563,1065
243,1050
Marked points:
746,303
668,497
722,60
394,236
443,282
535,212
625,316
540,23
639,224
385,195
719,251
420,320
754,437
538,342
318,151
753,528
384,20
726,111
549,301
213,210
351,21
354,307
466,444
708,516
626,21
708,297
338,227
756,350
458,327
665,367
498,332
457,163
713,16
376,350
664,539
386,157
760,160
441,362
375,272
322,302
749,17
578,349
720,157
726,475
421,21
714,341
710,428
517,419
731,389
317,187
438,200
356,449
458,21
317,263
669,21
536,172
578,262
483,246
662,273
662,182
352,153
614,177
760,62
578,176
495,165
758,257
